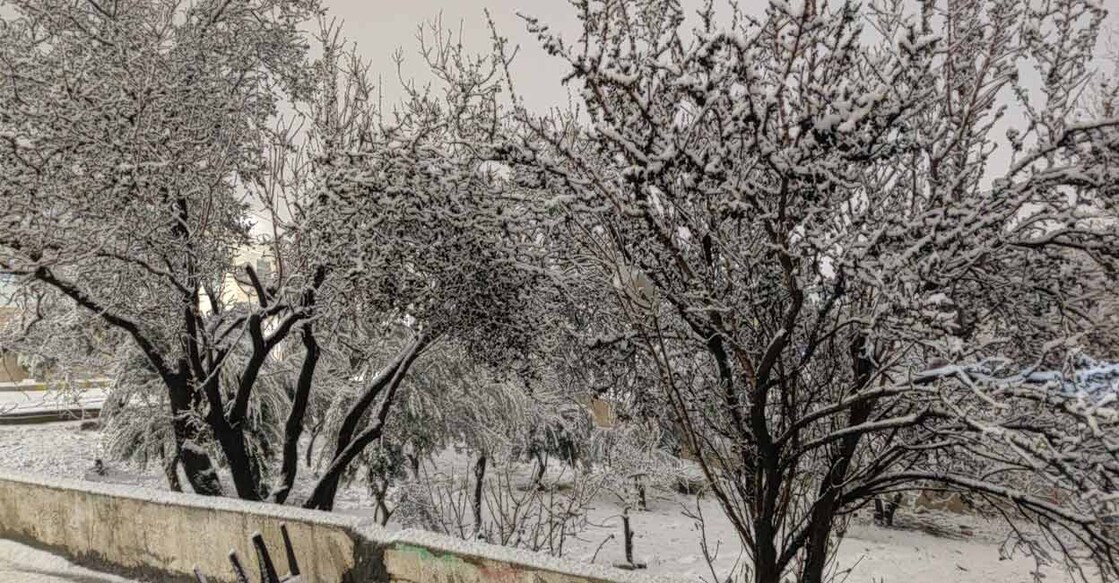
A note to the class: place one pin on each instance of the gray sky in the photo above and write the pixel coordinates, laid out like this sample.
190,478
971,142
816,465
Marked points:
379,27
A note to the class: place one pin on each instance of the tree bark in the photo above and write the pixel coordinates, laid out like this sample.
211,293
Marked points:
349,447
293,428
884,509
380,495
322,497
197,466
627,537
171,468
479,490
244,468
541,467
822,520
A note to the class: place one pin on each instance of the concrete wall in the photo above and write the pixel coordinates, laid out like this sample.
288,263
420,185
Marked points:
162,536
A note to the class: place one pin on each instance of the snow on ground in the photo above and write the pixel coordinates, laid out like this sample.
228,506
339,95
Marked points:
14,401
666,539
65,450
27,565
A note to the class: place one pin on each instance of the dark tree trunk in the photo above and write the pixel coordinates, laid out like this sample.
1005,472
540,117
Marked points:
243,467
309,456
197,466
639,488
541,467
766,569
293,428
816,550
627,537
348,446
379,487
884,509
171,469
479,491
822,520
322,497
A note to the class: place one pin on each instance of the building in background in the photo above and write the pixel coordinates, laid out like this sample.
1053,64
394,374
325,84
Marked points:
235,288
10,370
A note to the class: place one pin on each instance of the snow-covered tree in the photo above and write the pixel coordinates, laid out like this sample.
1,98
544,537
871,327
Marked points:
842,294
132,136
419,241
56,342
481,480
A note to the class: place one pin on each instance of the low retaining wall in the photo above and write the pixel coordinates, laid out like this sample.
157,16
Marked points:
162,536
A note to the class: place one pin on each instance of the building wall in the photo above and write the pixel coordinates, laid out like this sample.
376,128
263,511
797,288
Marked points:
10,371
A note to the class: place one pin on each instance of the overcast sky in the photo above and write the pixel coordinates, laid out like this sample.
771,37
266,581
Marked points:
379,27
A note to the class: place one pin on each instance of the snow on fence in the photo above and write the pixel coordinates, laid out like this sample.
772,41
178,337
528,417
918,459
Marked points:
162,536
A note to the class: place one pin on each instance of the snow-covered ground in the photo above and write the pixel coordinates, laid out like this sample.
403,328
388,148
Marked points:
27,565
965,549
668,542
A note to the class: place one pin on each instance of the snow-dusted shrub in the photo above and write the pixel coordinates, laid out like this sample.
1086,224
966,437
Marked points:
515,511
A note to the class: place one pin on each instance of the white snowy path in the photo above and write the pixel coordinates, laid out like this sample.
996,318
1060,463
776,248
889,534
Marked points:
27,565
665,539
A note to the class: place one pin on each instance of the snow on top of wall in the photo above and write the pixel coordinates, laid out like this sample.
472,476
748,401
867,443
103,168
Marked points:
361,527
163,497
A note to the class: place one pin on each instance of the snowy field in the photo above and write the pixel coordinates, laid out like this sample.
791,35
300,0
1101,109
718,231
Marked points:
963,549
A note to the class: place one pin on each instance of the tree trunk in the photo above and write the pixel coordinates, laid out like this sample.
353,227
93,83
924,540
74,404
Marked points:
349,447
293,428
245,469
197,466
171,469
322,497
884,509
541,467
766,569
822,520
479,490
627,537
816,551
380,489
309,459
